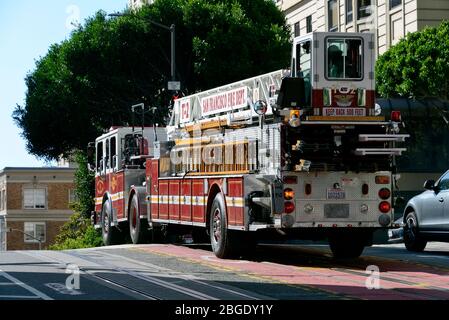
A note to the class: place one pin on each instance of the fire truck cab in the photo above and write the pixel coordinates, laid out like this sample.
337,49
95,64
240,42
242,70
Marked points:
338,73
119,165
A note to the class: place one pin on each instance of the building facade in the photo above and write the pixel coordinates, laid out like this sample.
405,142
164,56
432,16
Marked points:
390,20
136,4
34,204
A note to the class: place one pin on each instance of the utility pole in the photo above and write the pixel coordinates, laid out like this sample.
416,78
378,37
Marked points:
173,85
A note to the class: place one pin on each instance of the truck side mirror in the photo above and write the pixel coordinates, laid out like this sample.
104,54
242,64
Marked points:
91,156
399,202
429,185
292,94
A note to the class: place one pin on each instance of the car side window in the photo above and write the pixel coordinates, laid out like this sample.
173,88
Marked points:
443,184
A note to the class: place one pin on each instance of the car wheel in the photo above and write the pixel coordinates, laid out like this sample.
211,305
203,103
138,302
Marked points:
412,239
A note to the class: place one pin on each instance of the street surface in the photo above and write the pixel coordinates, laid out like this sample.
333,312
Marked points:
175,272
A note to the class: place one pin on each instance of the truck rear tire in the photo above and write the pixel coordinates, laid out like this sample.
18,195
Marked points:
138,228
111,235
346,246
221,239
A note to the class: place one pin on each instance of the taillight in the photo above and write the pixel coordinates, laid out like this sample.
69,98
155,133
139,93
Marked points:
396,116
365,189
289,194
382,180
384,193
384,207
290,180
308,189
289,207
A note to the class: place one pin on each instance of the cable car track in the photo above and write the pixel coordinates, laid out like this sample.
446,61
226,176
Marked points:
164,288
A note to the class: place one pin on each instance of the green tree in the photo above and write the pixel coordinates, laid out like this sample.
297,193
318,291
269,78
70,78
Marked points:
78,233
85,186
417,66
87,83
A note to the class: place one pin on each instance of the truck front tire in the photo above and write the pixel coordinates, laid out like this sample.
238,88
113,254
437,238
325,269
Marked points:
111,235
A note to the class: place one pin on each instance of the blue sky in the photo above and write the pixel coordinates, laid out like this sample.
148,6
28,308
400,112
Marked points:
27,29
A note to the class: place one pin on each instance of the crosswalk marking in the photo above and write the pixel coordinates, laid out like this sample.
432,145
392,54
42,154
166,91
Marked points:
37,294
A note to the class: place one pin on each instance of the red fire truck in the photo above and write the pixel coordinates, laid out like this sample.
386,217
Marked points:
302,154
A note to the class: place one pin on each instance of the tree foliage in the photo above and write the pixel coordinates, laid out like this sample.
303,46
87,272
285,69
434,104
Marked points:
85,186
87,83
417,66
78,233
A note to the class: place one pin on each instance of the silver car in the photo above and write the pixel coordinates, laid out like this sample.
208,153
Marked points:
426,216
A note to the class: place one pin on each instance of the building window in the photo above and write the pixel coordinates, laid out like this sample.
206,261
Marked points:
296,31
2,234
395,3
364,8
34,231
2,200
349,14
72,196
309,24
332,15
396,28
34,198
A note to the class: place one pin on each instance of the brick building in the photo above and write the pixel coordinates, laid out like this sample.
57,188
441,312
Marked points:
34,203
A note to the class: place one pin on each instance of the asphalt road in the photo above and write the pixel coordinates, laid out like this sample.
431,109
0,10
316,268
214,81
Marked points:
274,272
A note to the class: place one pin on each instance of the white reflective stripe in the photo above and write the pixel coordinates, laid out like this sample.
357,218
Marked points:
238,202
198,200
186,200
173,199
163,200
117,196
235,202
114,197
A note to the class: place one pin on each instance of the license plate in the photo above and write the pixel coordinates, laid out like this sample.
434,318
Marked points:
336,211
336,194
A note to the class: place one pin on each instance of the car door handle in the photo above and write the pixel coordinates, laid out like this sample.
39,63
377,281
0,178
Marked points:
441,200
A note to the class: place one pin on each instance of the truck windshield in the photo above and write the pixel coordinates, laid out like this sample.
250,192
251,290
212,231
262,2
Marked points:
344,59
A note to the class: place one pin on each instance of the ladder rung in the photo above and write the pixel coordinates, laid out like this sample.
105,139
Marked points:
383,137
380,151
